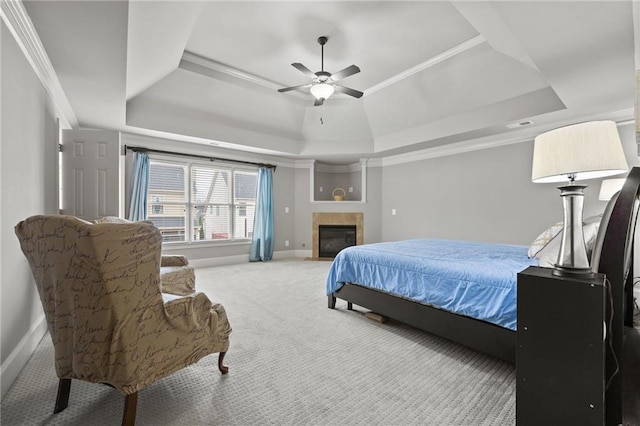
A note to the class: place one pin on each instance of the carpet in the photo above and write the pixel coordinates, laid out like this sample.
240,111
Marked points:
292,361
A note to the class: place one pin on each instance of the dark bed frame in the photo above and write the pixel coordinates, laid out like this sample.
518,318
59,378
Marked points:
500,342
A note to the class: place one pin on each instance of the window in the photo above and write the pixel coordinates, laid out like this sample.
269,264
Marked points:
157,206
194,201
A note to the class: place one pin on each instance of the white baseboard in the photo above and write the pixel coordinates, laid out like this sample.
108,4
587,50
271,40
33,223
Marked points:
244,258
217,261
18,358
292,253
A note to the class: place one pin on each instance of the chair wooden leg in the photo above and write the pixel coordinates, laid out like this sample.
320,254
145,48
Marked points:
223,368
62,399
130,407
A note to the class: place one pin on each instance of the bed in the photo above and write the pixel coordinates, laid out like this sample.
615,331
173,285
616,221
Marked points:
473,279
475,283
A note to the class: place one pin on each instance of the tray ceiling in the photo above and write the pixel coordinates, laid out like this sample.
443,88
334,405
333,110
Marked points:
432,73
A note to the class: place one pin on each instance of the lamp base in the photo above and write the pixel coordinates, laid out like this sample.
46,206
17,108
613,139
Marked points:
572,256
560,271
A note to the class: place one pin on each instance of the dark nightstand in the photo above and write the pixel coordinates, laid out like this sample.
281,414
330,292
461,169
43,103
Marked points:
560,356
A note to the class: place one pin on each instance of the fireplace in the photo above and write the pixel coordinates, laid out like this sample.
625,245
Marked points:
333,238
336,220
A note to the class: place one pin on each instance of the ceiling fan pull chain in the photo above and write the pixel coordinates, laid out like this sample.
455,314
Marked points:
321,113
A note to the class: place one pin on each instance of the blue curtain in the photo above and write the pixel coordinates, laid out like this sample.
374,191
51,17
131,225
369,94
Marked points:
139,186
262,240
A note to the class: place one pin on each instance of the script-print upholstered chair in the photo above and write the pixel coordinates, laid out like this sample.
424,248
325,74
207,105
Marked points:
177,276
100,289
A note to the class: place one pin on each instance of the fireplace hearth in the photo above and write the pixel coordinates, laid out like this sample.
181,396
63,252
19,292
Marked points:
333,238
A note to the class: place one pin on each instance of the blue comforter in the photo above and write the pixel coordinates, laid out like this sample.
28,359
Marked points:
474,279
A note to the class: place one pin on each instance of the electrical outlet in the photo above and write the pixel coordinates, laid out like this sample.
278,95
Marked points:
286,243
351,189
286,209
393,212
320,189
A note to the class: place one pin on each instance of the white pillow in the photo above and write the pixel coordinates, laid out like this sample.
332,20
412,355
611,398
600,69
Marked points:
543,239
548,256
593,219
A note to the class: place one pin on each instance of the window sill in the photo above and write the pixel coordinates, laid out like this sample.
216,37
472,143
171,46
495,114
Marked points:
339,202
203,244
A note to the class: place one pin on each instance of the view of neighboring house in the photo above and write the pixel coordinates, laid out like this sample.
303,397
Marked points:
202,199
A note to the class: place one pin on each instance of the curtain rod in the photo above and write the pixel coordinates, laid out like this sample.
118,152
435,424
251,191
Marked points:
205,157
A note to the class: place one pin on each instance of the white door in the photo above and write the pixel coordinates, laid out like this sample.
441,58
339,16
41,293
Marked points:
90,173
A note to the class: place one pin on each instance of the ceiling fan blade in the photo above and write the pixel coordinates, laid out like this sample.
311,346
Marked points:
348,91
287,89
350,70
318,102
304,70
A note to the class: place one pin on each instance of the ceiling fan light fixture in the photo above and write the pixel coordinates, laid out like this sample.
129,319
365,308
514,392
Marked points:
323,82
322,90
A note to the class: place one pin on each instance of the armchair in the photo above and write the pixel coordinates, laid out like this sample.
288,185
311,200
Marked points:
177,276
99,285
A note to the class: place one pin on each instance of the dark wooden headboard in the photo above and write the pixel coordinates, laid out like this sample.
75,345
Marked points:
616,262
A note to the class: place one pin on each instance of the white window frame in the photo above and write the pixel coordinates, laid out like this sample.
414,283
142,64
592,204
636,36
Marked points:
189,205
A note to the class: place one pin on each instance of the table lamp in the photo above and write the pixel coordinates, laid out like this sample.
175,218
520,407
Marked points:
580,151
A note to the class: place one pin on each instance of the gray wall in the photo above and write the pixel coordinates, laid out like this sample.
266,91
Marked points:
480,196
283,198
28,158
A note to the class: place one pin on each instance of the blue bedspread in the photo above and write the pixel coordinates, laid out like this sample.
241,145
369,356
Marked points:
474,279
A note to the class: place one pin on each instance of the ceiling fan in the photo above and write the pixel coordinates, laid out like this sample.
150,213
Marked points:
323,82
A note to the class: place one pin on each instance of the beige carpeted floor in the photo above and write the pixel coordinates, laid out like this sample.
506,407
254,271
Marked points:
292,361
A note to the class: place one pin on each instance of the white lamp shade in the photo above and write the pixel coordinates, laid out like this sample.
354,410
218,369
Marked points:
586,150
609,187
322,90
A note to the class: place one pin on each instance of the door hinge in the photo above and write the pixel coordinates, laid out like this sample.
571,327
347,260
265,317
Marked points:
59,147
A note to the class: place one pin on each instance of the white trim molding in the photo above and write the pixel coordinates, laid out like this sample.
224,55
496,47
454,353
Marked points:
190,57
622,118
19,24
244,258
18,358
456,50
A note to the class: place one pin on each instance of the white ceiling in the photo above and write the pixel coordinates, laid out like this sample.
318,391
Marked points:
432,72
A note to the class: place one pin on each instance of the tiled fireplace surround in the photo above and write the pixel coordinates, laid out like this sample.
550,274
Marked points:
336,219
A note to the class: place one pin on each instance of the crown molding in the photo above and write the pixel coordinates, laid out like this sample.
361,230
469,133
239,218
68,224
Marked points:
622,118
374,162
208,67
19,24
450,149
304,164
456,50
335,168
228,70
201,147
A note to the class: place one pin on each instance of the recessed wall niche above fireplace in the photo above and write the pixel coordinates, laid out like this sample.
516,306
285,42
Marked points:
337,223
350,180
